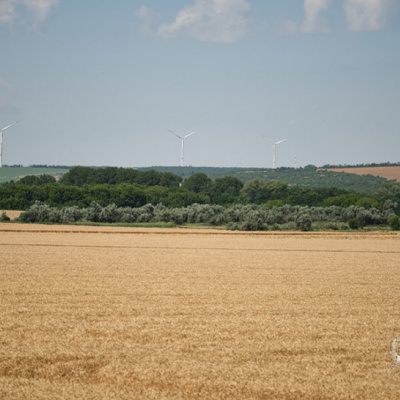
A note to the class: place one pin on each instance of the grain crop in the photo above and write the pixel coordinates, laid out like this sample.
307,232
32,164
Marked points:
391,173
129,313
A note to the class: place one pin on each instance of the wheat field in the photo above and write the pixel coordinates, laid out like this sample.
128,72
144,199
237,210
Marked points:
124,313
384,172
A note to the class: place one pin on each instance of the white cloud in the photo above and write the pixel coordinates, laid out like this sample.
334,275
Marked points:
367,15
11,10
148,19
222,21
7,11
313,21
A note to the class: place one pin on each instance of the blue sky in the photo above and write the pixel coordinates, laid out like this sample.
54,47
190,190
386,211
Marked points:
100,82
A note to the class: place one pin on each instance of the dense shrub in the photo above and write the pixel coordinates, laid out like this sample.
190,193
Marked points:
252,221
4,217
355,223
40,212
232,226
109,214
178,216
249,217
303,222
93,212
394,223
71,214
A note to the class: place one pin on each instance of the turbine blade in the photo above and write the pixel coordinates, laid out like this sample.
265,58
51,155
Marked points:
3,129
175,134
189,135
281,141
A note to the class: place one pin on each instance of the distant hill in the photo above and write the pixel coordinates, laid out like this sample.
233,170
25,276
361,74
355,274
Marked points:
353,179
309,176
16,173
392,173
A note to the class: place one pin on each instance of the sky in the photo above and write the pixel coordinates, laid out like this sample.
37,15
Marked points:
101,82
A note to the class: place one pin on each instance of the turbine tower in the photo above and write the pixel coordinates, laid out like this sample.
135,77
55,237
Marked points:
183,144
274,151
1,141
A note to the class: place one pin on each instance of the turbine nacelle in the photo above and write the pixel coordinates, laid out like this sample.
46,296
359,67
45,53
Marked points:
274,151
275,143
182,143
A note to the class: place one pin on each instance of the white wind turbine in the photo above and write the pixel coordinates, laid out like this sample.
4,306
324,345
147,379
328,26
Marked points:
274,151
1,141
183,144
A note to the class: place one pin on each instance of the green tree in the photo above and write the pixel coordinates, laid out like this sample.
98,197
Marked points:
78,176
258,192
169,180
127,175
394,222
390,191
343,200
198,183
33,180
225,190
130,196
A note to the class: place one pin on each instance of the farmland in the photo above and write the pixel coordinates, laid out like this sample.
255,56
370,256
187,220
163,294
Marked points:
12,214
390,173
107,312
15,173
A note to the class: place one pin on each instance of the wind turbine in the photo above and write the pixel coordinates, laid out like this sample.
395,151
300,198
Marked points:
274,151
1,141
183,143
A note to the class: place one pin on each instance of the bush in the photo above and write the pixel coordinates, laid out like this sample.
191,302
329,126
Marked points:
303,222
232,226
40,212
274,227
178,216
218,219
252,222
144,217
92,213
4,217
332,225
355,223
394,223
71,214
128,215
289,226
109,214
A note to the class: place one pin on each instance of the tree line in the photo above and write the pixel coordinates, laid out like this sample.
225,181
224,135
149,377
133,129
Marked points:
238,217
20,196
126,187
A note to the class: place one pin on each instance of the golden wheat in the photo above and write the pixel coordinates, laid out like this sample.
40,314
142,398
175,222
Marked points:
385,172
101,313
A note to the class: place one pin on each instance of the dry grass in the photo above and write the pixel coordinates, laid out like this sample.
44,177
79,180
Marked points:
101,313
384,172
